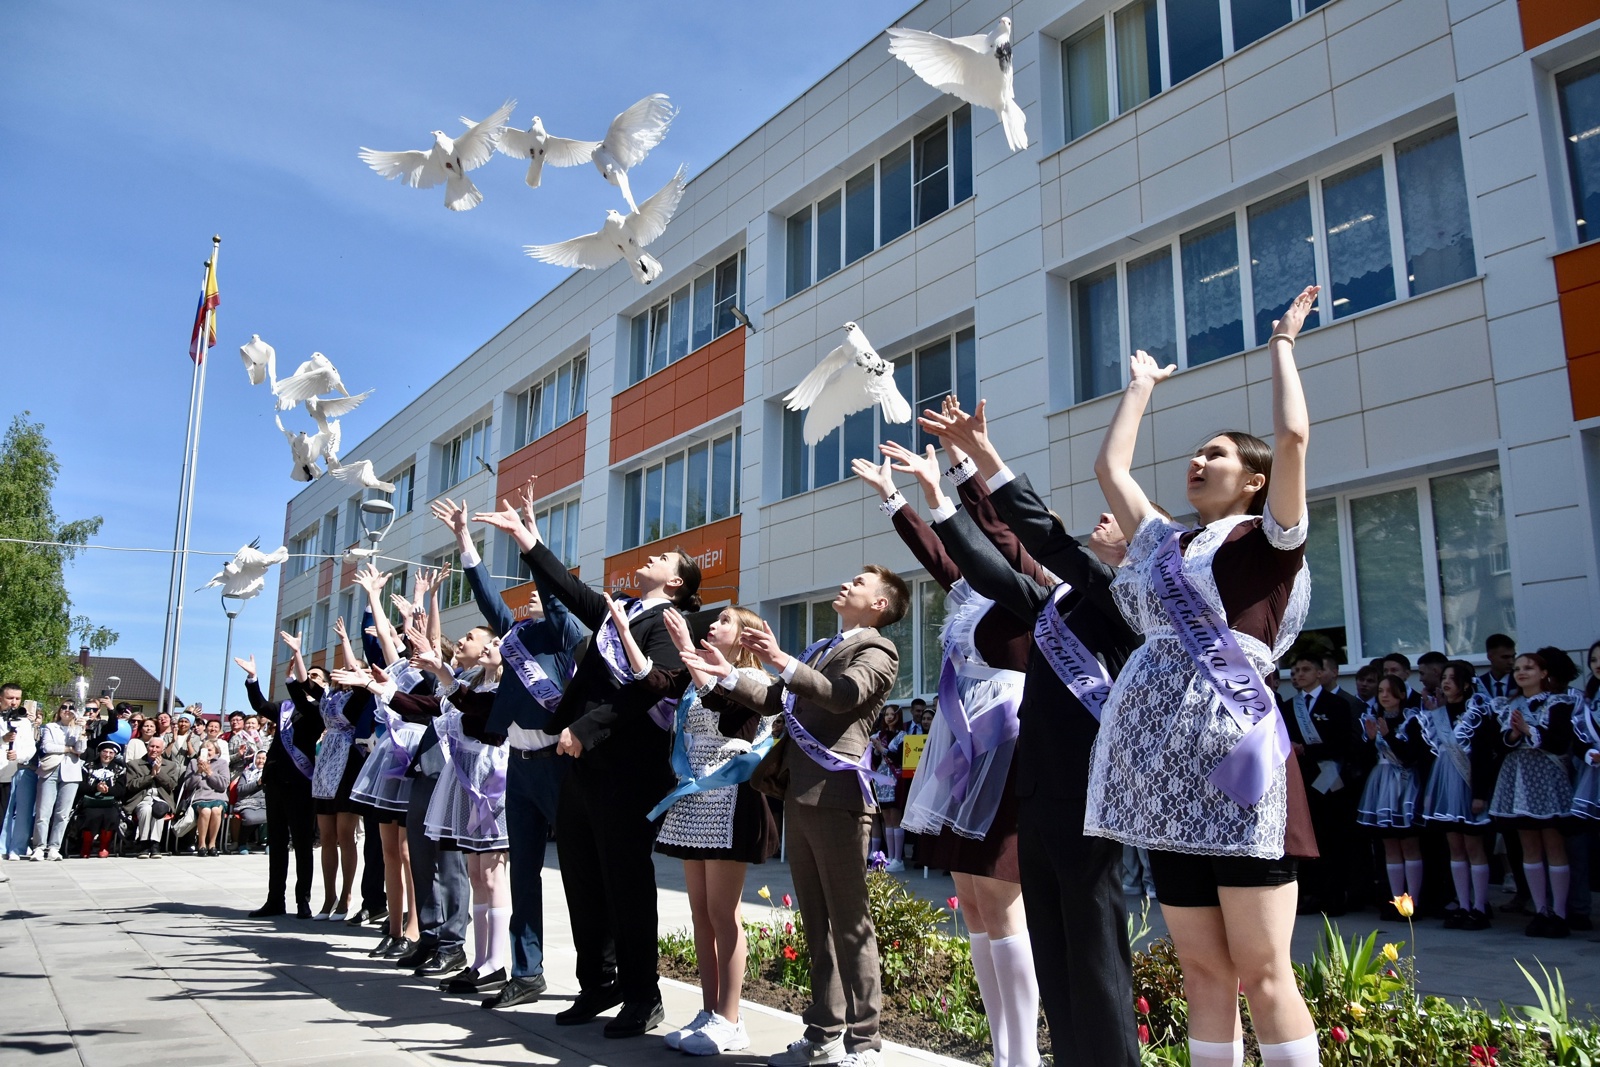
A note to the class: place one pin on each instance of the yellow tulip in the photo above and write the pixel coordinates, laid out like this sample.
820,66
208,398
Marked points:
1357,1012
1391,953
764,893
1404,906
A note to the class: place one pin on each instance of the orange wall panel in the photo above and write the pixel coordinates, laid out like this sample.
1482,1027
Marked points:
519,597
1545,20
325,571
714,546
1583,374
556,459
706,383
1578,282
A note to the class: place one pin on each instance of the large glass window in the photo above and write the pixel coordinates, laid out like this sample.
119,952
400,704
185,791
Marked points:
917,181
302,552
404,481
1084,61
671,494
1326,564
1151,322
455,590
1211,291
1469,532
554,400
1433,209
1194,36
1254,19
1579,92
1138,39
1282,256
1391,595
464,454
1094,321
558,524
923,377
690,318
1355,210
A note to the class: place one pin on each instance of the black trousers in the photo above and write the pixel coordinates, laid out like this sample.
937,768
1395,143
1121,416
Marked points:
1077,922
290,816
604,843
374,898
444,893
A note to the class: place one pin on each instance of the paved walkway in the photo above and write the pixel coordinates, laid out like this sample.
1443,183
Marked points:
126,962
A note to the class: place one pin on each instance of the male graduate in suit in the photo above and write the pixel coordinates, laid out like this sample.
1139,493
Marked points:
829,697
613,728
1324,727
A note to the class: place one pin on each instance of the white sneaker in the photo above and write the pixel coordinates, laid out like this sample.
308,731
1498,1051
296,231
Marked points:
895,866
718,1036
674,1040
36,855
867,1057
808,1053
11,855
53,854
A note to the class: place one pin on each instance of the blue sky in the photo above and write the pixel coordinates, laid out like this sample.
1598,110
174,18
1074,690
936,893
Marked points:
134,132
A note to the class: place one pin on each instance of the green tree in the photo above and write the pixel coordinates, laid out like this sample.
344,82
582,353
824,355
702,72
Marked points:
36,623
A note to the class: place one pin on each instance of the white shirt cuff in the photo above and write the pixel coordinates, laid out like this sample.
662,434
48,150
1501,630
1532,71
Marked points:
893,504
470,557
728,681
644,672
787,674
943,511
960,472
1003,476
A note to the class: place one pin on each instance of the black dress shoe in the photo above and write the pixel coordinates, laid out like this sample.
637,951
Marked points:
637,1019
269,909
377,917
356,918
473,982
441,964
303,910
517,991
590,1002
421,953
382,947
399,948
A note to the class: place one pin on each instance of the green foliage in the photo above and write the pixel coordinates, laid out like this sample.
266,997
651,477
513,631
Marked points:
1570,1044
36,624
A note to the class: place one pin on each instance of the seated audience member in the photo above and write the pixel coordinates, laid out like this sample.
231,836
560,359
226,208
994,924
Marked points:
100,799
152,789
208,783
250,803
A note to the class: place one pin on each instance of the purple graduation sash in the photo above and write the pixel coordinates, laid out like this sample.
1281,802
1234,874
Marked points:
402,741
1074,664
532,676
1245,773
616,657
821,754
485,800
301,761
972,737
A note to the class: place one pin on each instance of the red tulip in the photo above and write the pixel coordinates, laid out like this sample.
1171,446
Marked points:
788,901
788,928
789,953
1144,1034
1142,1006
1339,1034
954,902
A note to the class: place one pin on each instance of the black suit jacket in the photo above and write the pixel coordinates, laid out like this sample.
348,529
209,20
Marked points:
610,718
1056,732
1338,729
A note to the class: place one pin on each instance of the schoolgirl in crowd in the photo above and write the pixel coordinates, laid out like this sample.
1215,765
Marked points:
1388,807
345,716
1586,727
1460,731
888,744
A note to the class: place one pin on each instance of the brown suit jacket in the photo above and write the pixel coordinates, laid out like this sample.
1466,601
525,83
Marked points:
837,701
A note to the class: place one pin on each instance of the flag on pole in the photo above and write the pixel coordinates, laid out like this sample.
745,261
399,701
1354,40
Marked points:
205,316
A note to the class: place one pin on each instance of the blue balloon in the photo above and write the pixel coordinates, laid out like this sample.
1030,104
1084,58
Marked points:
123,735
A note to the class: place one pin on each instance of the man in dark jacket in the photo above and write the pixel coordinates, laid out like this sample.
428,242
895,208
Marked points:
152,792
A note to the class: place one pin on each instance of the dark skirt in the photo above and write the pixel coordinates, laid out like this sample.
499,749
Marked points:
755,833
95,820
341,802
993,857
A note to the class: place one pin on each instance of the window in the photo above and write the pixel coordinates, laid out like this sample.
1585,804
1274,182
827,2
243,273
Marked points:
352,521
680,491
405,484
455,590
558,524
918,181
319,628
916,636
1412,566
554,400
394,585
465,454
329,543
923,377
302,552
688,320
1155,44
1579,92
1185,300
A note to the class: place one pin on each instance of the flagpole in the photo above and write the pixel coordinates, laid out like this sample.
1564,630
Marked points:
194,463
174,574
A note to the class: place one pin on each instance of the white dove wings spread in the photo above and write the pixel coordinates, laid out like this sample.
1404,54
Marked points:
425,169
964,67
840,386
539,148
316,375
637,130
593,251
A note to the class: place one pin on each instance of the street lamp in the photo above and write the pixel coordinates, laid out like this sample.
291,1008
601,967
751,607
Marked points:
232,605
376,516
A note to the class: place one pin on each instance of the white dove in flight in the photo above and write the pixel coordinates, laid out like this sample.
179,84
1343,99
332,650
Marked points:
447,161
315,376
327,412
850,379
977,69
260,361
306,448
629,139
360,473
245,574
621,237
539,148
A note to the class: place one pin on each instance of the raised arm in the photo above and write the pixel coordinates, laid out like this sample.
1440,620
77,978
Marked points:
372,581
1291,424
347,654
986,570
1114,465
907,523
297,665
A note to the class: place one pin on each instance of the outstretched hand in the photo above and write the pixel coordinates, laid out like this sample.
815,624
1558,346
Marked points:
956,429
923,466
619,614
350,678
1293,319
1142,368
509,519
248,665
707,659
764,645
678,630
878,477
338,629
290,641
451,514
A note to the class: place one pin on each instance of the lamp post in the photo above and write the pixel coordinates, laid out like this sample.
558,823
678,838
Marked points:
232,605
376,515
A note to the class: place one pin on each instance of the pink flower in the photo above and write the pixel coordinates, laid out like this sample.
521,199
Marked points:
1485,1056
1339,1034
788,928
788,901
1144,1034
954,902
1142,1006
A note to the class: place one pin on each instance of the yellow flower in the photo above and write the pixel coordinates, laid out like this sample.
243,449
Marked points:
1357,1011
1391,953
1403,905
764,893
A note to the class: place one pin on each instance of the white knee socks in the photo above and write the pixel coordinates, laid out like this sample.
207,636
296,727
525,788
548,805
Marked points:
1397,878
1019,998
1414,879
480,936
989,986
897,842
1461,875
1301,1053
1216,1053
1480,887
1560,886
499,923
1536,884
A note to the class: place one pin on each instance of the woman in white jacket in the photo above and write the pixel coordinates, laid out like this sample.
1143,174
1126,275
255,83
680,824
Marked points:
61,746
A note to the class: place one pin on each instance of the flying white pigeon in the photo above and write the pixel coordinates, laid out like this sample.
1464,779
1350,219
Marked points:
447,161
306,448
852,378
539,148
327,412
244,576
977,69
621,237
260,361
360,473
315,376
629,139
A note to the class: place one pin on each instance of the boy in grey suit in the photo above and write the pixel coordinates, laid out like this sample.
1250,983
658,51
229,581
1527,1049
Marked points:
831,696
